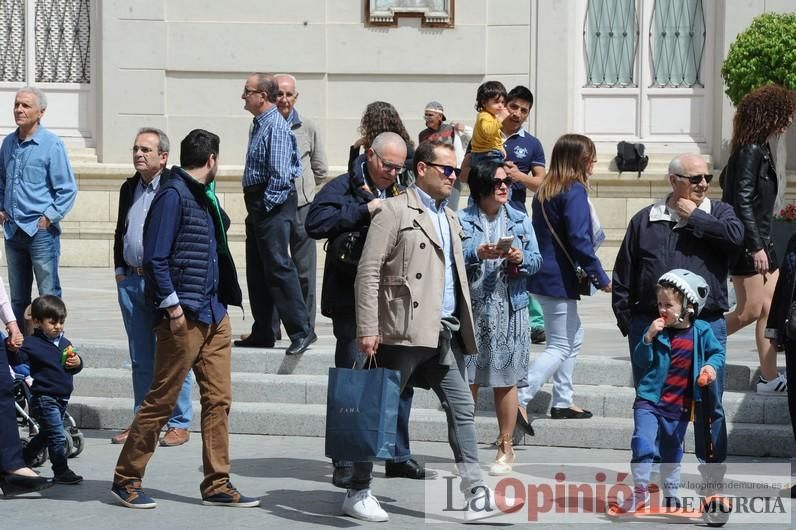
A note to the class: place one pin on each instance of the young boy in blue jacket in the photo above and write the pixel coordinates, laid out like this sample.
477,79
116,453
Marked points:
677,356
52,362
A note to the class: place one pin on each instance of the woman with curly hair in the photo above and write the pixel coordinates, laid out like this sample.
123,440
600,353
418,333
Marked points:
380,117
749,183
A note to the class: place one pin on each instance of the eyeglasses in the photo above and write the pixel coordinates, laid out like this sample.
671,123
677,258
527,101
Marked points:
497,182
430,115
696,179
389,166
247,92
145,150
446,170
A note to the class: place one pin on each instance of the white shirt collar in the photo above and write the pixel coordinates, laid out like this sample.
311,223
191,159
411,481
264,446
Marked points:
661,212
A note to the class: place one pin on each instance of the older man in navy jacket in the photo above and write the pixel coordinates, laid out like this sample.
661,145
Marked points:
686,230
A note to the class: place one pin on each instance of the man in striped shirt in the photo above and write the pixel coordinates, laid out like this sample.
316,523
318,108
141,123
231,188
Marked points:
272,165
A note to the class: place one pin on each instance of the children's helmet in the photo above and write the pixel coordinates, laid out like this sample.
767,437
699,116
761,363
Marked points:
692,285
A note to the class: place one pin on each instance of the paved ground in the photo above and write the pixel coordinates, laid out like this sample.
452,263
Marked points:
292,479
290,475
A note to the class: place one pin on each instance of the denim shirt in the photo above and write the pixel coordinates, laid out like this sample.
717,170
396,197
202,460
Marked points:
520,227
35,179
444,232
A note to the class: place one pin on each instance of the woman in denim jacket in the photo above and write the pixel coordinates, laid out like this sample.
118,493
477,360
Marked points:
497,275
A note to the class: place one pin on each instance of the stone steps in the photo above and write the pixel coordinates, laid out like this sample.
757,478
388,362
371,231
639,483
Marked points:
429,425
306,389
280,395
590,370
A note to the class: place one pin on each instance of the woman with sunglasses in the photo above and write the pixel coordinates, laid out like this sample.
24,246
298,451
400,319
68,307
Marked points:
565,229
500,252
749,183
379,117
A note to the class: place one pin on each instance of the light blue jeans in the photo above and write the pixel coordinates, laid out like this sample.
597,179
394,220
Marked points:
28,257
564,338
139,322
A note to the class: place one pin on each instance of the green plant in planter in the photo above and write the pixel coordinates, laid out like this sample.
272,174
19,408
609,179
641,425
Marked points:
762,54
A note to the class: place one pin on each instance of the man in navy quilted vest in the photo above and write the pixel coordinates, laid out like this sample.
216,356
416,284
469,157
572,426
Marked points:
191,278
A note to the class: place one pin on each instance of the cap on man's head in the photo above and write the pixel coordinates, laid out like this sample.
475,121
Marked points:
436,106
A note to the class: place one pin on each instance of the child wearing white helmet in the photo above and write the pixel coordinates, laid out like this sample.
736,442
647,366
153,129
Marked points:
677,355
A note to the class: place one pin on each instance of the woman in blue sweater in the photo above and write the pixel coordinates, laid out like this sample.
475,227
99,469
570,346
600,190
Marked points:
562,220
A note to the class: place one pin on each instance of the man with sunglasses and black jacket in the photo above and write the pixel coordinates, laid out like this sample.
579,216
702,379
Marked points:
686,230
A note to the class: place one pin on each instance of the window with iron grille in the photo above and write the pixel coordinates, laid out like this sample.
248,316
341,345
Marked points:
610,41
677,43
62,41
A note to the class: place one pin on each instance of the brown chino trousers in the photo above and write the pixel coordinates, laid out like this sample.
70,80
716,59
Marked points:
206,349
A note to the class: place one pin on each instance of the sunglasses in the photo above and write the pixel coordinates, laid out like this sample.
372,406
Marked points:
497,182
446,170
696,179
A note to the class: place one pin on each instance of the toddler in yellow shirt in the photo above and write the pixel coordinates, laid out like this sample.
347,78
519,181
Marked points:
487,141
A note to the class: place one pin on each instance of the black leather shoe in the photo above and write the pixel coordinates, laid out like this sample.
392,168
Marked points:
569,414
523,424
301,345
409,469
249,342
20,484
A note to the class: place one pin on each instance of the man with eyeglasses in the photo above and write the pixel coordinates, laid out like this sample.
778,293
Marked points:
686,230
37,189
150,156
272,166
414,312
346,205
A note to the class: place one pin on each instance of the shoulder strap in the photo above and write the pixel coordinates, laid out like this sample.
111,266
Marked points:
555,235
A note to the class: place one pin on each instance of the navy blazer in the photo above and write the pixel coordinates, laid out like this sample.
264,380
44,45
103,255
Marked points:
570,216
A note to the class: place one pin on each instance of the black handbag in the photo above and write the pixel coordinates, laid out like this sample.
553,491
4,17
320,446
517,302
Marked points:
345,250
582,277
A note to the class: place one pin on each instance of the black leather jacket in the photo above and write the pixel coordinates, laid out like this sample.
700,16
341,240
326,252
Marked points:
749,183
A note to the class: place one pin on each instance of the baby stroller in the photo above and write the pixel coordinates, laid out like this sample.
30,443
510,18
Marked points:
74,438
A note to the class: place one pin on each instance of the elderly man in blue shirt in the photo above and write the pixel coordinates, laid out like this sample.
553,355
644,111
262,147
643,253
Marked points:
269,191
37,189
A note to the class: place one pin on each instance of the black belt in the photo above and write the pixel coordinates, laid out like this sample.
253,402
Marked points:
254,188
139,271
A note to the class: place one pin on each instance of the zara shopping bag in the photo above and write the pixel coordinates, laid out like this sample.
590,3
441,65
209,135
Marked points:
362,414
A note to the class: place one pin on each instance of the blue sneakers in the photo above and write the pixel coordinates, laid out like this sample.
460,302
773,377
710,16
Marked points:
133,496
230,496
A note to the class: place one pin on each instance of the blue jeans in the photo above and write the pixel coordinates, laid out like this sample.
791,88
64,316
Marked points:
49,412
28,257
564,332
713,392
139,321
346,355
653,434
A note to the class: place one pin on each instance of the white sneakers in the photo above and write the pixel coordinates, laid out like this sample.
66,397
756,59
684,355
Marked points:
361,504
778,385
